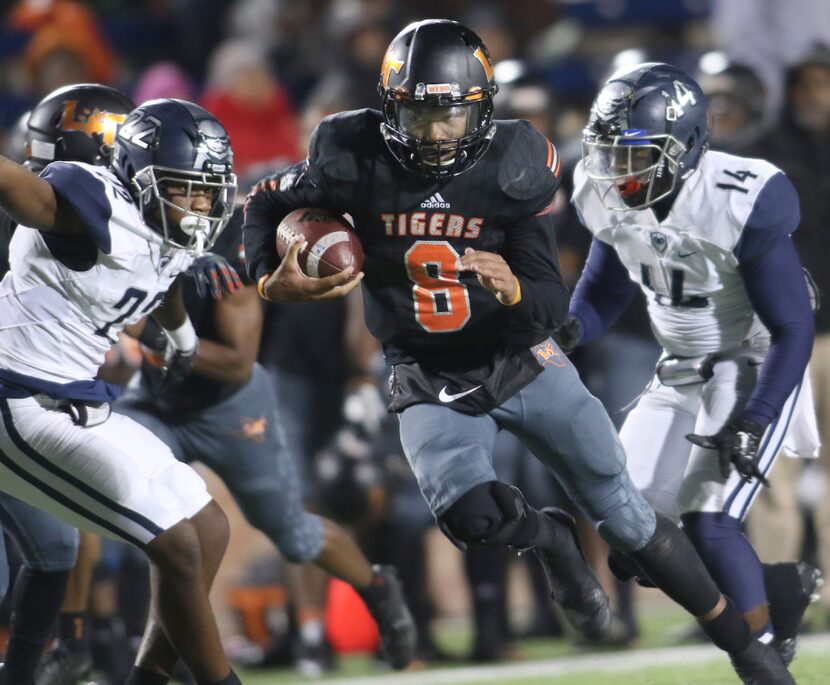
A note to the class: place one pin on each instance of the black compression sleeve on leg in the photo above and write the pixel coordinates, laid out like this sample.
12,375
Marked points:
671,563
230,679
36,601
728,630
143,676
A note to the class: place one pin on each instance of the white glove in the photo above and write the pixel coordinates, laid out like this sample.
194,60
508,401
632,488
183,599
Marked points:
364,407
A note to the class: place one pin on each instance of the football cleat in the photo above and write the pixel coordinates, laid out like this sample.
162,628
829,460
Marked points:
572,583
385,600
62,666
791,588
760,664
313,661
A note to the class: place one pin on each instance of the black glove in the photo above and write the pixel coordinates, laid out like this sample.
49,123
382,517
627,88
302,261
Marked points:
737,445
164,366
567,335
177,365
212,273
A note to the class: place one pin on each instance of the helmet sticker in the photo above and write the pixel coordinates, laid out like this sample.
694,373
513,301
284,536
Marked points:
390,63
96,121
142,131
682,97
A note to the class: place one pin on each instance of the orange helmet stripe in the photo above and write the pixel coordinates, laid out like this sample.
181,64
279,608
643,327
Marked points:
485,62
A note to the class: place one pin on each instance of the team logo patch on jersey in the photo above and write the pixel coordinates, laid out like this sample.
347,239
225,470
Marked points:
659,242
435,202
254,429
546,353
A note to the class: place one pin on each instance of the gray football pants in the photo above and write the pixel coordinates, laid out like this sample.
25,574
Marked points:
561,423
241,440
45,543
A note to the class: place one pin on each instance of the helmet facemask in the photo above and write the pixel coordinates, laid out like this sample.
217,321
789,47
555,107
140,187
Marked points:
633,170
194,231
438,137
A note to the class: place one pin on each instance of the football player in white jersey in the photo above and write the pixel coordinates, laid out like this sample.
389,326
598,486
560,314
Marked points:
706,237
73,123
97,249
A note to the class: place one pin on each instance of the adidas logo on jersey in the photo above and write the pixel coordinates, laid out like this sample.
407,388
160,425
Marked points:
435,202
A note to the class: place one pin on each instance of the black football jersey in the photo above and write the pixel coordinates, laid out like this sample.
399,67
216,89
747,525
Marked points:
7,226
198,391
414,229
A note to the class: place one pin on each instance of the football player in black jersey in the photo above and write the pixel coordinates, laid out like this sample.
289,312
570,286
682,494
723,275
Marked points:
462,288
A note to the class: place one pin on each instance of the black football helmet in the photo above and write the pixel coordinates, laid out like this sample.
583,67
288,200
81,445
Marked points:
167,144
437,86
647,131
75,124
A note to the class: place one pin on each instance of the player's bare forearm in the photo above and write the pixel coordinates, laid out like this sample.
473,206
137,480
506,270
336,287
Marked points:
238,325
171,313
361,346
27,198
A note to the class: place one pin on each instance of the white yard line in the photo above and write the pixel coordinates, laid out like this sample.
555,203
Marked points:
602,661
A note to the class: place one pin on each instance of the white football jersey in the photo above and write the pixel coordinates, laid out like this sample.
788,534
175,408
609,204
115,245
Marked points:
685,264
56,323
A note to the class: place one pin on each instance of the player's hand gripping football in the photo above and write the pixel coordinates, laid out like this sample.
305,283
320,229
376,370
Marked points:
737,445
493,273
289,284
213,274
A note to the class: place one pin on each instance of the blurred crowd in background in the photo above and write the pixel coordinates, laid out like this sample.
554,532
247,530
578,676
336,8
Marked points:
270,70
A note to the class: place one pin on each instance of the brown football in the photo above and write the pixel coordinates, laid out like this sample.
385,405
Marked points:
332,244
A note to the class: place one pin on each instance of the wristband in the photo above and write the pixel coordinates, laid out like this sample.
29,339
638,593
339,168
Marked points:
260,286
184,337
517,297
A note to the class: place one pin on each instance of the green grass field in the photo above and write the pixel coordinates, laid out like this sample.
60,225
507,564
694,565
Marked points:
558,662
811,668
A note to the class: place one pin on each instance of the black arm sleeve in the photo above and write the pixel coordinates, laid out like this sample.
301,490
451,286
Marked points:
776,287
603,293
530,251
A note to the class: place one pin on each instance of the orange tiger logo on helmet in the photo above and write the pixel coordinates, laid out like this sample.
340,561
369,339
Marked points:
91,122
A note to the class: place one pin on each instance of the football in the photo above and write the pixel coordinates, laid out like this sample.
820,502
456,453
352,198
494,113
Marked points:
332,245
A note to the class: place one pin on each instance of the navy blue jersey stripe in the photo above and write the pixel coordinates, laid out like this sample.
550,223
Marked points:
87,196
16,385
763,449
776,214
46,464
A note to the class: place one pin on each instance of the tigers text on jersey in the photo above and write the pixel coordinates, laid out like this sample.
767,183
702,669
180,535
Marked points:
56,321
685,264
414,229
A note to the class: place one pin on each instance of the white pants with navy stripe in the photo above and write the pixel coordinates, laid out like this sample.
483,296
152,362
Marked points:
677,477
116,479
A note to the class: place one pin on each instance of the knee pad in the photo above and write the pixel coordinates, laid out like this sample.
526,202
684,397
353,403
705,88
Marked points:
300,543
59,554
492,514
